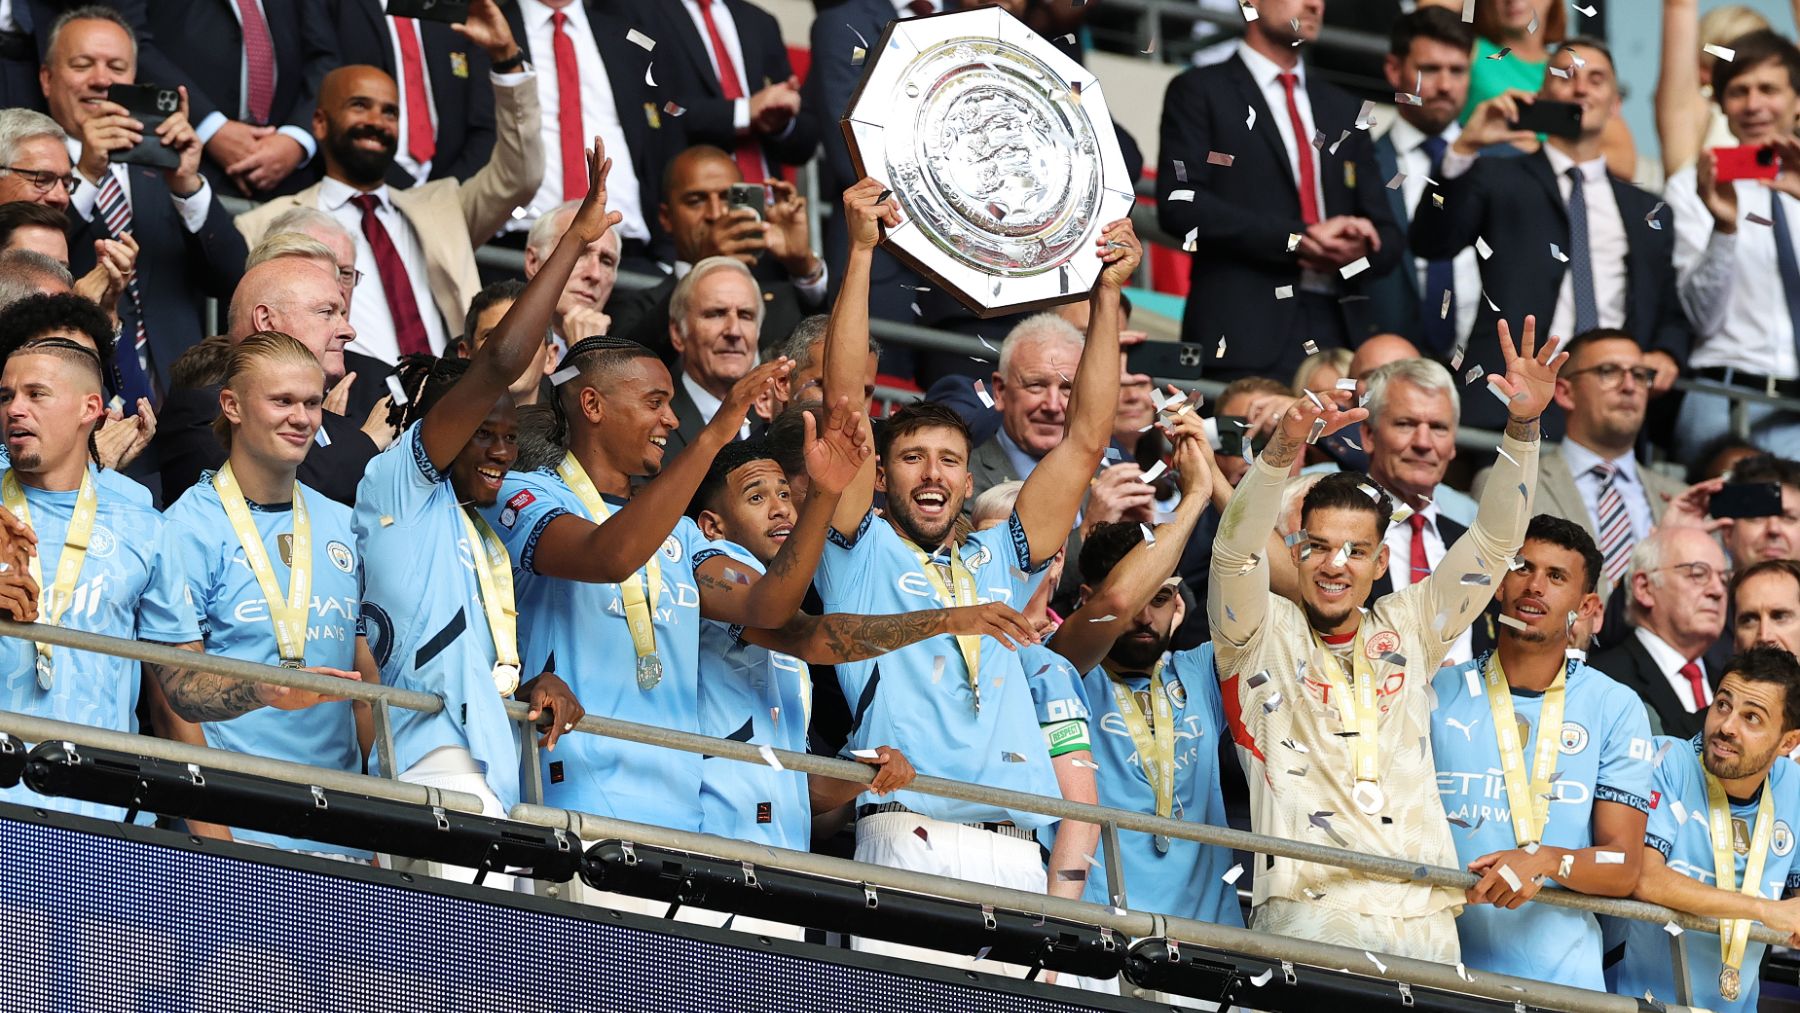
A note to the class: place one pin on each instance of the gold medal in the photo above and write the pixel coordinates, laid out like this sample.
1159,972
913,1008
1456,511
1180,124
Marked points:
493,572
959,590
1155,746
1730,983
1734,933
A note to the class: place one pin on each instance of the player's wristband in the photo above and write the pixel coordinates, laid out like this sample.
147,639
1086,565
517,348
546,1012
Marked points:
1066,736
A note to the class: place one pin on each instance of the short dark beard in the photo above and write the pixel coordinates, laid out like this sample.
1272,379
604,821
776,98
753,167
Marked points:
28,463
362,168
1130,656
1747,765
908,526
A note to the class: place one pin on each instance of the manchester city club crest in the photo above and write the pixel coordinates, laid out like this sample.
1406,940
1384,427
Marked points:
978,559
1782,841
671,549
101,542
1177,692
1574,738
341,556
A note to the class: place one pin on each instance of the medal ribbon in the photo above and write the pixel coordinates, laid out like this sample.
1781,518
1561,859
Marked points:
964,594
638,595
1357,709
493,571
1155,747
289,619
1734,933
68,565
1528,799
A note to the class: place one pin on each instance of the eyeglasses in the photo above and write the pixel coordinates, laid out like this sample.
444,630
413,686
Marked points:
44,179
1700,573
350,276
1611,375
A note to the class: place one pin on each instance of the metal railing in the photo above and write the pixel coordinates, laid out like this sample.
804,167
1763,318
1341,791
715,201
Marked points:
1110,819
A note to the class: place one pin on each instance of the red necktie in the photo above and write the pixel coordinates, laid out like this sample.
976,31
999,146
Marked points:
920,8
568,112
749,152
1420,568
396,284
1697,683
1309,197
421,140
259,61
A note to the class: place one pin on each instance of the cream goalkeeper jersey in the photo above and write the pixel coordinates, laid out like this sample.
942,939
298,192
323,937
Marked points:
1285,720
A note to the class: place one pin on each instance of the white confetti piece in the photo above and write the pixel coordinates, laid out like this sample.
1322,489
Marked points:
1354,268
1284,291
1609,858
322,438
395,390
1678,810
1575,654
1671,928
937,669
981,392
1006,757
562,376
769,757
1342,555
1345,384
387,521
865,754
1273,703
672,109
1587,11
1220,354
1215,158
1399,178
1309,347
1154,473
1262,979
1293,241
1341,139
1463,972
1501,55
1180,171
1557,253
1149,535
1380,968
1250,120
1723,53
1506,620
1499,395
1566,866
1103,619
1474,682
1365,117
1483,248
650,75
1650,219
1406,98
1183,195
1191,241
858,54
1473,374
1231,875
638,38
1510,877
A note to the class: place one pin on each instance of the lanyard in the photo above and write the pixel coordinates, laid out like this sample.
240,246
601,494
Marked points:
1360,716
493,571
964,594
289,619
1734,933
68,565
1155,747
639,594
1529,800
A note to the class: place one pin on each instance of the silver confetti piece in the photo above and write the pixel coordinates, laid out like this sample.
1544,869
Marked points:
1556,252
1399,178
1298,747
1650,219
562,376
395,390
1232,874
1721,52
1273,703
1406,98
1506,620
768,755
1482,248
1219,158
1284,292
1354,268
638,38
1322,820
1380,967
1184,195
1011,758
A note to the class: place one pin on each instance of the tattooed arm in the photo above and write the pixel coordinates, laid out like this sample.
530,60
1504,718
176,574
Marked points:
838,638
204,696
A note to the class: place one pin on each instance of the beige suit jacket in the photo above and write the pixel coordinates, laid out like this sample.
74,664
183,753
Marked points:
1558,495
483,204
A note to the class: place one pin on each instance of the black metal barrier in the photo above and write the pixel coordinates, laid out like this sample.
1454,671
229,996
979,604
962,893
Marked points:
12,760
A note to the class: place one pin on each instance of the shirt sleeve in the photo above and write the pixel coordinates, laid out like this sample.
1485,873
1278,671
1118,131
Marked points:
527,505
400,481
1662,828
186,542
842,566
1625,776
1237,598
166,611
1704,257
1056,689
194,208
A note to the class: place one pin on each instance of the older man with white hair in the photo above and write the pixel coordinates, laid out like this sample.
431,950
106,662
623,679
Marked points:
715,317
579,312
34,159
1030,390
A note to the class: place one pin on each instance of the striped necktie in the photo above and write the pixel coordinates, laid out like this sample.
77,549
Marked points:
128,359
1614,524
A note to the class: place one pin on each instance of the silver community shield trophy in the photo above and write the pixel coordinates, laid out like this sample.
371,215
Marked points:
1000,152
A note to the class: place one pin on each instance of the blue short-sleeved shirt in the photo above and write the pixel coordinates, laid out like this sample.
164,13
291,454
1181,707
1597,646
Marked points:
1605,733
1642,948
131,585
752,694
578,630
110,481
234,623
1188,881
423,616
911,700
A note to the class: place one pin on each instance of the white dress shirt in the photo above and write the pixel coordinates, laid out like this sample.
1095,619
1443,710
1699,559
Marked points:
192,209
8,23
734,48
402,157
1267,75
209,126
370,316
1607,247
708,405
1626,479
1398,540
599,115
1415,163
1730,285
1669,661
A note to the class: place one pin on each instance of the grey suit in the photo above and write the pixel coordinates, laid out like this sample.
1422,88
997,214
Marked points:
1558,495
989,466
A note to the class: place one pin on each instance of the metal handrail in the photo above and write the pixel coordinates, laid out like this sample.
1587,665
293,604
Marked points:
846,770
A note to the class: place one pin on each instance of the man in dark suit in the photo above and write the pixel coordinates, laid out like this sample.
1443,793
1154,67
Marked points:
188,248
1427,50
599,54
452,100
1287,234
1676,588
774,243
726,65
714,315
252,80
1578,257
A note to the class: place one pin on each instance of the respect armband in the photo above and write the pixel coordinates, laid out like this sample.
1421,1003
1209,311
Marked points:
1066,736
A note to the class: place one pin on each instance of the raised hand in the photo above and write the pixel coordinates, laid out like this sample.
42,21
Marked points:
177,134
834,456
487,28
1530,378
744,393
592,219
787,236
1492,123
337,399
1299,421
865,213
120,442
1118,246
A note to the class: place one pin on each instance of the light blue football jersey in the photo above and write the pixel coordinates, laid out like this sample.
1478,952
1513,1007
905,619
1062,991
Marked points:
1188,881
752,694
1640,950
917,699
1605,738
234,623
423,617
110,481
578,630
132,586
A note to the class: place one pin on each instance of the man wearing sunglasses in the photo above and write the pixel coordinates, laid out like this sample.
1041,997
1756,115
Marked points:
1676,585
